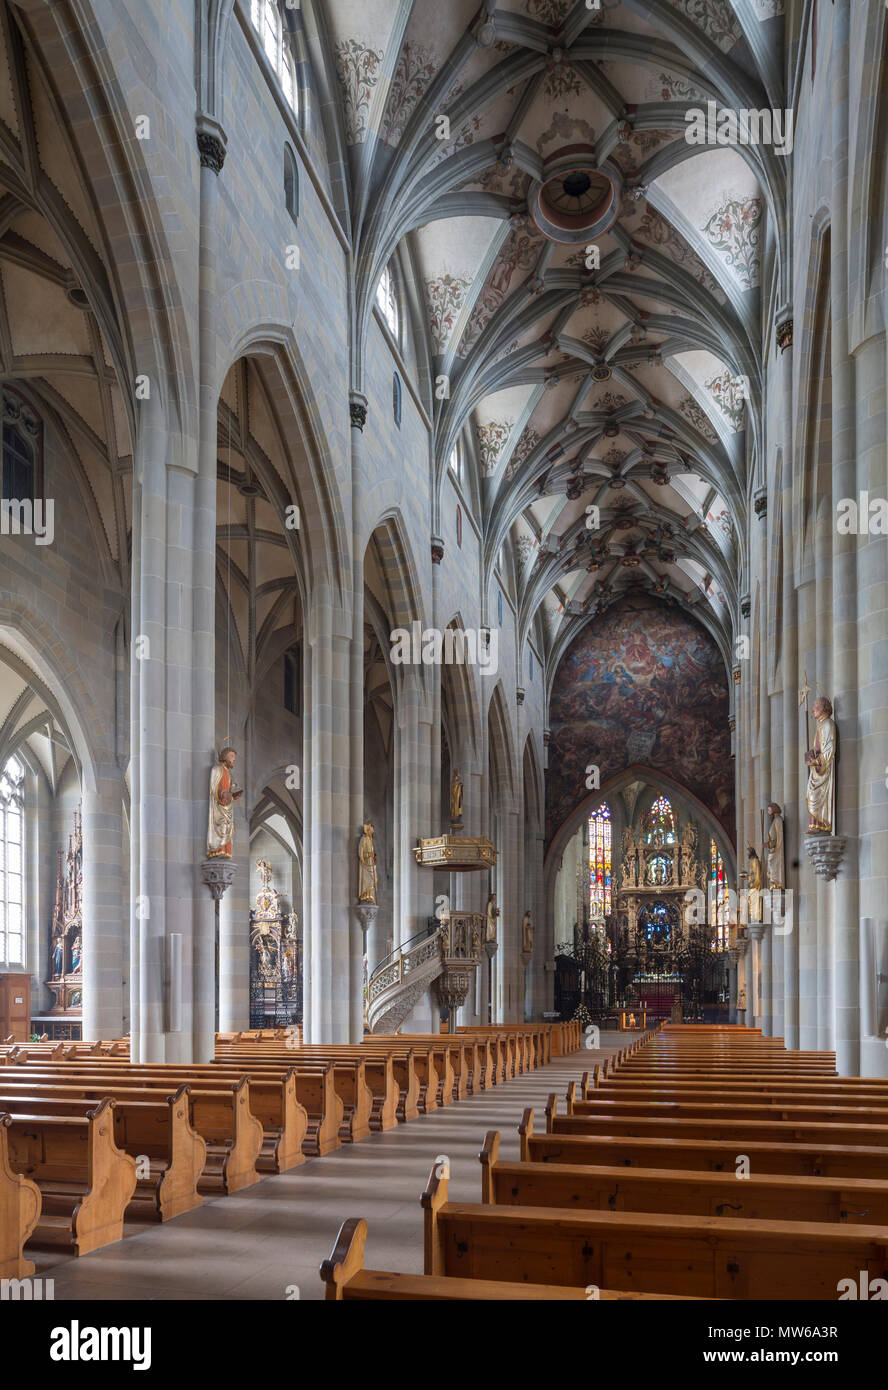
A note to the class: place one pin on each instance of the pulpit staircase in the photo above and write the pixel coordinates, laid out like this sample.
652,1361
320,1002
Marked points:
445,954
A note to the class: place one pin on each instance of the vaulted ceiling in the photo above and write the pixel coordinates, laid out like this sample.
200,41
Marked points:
491,150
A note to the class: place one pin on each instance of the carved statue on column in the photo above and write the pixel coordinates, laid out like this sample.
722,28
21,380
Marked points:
688,852
492,912
821,764
367,876
776,862
755,885
627,867
456,801
527,932
224,791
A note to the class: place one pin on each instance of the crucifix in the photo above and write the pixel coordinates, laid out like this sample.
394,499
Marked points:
803,695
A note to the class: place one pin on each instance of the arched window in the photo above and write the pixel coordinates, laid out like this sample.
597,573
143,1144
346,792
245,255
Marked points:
455,462
531,665
269,25
600,876
397,399
12,938
659,823
459,527
499,607
22,448
291,183
718,898
387,302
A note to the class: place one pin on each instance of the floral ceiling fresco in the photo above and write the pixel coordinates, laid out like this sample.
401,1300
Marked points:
643,685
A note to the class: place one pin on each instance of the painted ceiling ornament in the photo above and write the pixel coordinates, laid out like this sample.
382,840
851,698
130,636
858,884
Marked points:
445,296
416,67
358,67
492,439
550,12
733,230
576,200
727,393
715,18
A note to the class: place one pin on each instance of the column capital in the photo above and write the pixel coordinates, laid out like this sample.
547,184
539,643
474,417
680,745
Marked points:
212,143
783,329
760,502
357,410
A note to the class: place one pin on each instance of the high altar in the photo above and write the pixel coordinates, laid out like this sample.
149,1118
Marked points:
66,941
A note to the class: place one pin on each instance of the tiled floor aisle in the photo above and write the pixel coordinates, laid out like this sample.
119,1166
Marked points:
262,1242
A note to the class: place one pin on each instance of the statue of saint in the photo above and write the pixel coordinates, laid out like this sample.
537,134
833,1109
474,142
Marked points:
367,878
76,955
265,944
527,933
627,867
223,794
776,864
821,764
492,913
688,852
755,885
58,955
456,800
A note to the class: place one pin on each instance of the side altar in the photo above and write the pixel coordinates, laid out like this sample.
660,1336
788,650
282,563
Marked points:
65,981
275,958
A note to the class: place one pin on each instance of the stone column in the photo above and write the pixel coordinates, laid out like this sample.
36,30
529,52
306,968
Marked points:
104,916
174,914
416,814
844,954
234,941
753,975
789,676
541,986
508,1004
330,839
357,418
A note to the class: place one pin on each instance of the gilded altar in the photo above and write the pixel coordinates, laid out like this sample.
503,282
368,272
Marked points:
66,933
275,958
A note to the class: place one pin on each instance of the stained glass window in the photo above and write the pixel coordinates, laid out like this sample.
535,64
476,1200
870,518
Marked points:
12,942
718,897
600,870
659,823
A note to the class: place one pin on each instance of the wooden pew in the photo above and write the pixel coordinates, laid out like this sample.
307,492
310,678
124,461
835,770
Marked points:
158,1130
85,1181
601,1104
20,1205
273,1099
692,1256
741,1131
346,1279
835,1160
335,1055
219,1112
764,1196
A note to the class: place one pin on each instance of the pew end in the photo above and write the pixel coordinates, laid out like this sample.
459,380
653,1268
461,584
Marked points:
525,1131
570,1097
347,1258
551,1111
488,1158
431,1201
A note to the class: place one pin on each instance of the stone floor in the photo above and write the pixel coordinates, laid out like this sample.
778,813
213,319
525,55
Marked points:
268,1241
